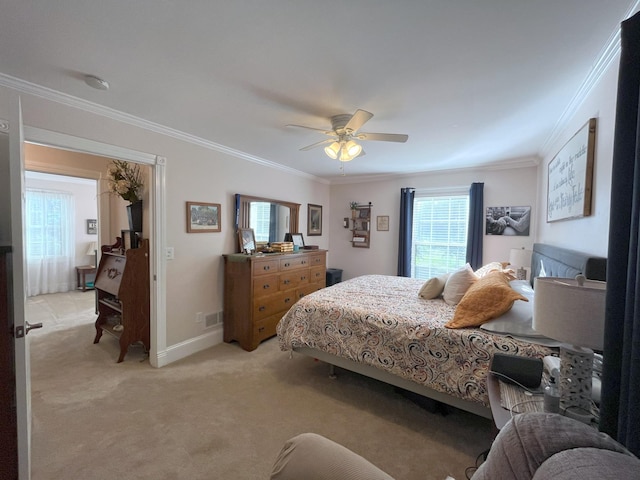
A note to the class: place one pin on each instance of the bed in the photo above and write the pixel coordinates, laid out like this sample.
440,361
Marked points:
378,326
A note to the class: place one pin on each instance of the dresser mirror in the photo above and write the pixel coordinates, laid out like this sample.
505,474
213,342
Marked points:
270,219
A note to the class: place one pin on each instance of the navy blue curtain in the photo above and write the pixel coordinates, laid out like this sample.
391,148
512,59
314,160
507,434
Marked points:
620,401
475,233
406,224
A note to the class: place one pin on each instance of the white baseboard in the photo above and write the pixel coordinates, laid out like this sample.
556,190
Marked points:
189,347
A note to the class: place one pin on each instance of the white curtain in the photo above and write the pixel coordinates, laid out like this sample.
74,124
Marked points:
50,241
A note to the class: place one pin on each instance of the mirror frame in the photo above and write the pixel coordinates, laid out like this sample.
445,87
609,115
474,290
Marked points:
242,210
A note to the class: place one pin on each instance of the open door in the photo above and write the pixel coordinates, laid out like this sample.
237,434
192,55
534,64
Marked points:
20,326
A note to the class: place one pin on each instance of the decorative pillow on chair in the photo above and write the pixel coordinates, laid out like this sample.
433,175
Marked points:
487,298
458,283
433,287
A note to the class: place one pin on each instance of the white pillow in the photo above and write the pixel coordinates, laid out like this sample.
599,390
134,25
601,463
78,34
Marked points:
457,284
518,320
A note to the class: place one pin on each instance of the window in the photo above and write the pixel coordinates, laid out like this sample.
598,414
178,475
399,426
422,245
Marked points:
261,220
439,243
49,224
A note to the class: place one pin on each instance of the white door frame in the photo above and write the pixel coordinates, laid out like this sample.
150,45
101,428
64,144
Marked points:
158,340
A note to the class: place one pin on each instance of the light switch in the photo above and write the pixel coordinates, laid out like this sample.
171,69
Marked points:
169,253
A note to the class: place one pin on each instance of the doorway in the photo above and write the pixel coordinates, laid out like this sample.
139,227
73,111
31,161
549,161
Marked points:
156,212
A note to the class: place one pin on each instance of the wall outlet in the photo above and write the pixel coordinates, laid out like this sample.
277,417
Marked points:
199,317
169,253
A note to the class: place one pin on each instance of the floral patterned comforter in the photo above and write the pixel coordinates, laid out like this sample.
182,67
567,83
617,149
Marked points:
380,321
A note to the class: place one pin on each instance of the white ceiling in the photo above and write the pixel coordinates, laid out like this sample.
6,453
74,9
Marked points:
470,82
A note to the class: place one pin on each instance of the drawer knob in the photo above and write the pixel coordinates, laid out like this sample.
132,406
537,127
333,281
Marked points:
303,277
261,308
303,262
265,286
287,282
287,264
287,300
266,267
261,329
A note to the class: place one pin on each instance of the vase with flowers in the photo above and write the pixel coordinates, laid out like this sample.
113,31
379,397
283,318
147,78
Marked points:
125,181
354,209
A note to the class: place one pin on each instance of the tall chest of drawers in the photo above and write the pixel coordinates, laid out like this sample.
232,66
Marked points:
258,291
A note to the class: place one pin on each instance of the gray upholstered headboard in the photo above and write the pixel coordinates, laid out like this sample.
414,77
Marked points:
565,263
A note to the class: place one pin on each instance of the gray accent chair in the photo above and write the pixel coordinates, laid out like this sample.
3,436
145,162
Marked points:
536,446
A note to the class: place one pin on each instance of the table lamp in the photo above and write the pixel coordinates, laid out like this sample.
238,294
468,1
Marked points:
521,258
572,311
92,251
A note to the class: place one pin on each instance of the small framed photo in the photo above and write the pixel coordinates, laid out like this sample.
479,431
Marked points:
314,220
382,223
246,240
92,226
297,239
203,217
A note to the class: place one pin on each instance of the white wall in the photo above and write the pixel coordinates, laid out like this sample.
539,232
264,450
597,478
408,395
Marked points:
588,234
194,173
502,187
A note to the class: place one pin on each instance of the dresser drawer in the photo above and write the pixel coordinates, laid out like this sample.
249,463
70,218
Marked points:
289,280
297,261
265,267
264,285
266,306
318,275
306,290
316,259
266,328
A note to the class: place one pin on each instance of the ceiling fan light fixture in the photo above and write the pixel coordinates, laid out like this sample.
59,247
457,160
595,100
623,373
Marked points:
332,150
353,149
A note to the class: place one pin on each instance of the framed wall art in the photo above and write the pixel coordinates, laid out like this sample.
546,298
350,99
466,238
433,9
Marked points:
314,220
382,223
92,226
508,221
570,176
203,217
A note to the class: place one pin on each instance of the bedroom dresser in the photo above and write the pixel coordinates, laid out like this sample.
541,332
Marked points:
260,289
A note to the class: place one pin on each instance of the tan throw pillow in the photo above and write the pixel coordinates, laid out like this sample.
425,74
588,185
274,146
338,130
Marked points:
489,267
433,287
488,298
457,284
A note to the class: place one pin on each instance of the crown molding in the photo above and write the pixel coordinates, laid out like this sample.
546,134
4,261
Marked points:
602,64
45,93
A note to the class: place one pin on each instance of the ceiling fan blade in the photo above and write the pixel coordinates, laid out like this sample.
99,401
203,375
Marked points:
358,120
317,144
323,130
384,137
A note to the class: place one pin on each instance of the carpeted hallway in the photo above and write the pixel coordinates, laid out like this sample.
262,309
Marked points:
220,414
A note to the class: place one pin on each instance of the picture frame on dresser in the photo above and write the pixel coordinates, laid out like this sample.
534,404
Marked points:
297,239
246,240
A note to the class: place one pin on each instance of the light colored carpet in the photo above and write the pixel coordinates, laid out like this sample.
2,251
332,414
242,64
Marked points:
220,414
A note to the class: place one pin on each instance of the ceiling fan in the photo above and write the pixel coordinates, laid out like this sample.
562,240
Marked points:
344,132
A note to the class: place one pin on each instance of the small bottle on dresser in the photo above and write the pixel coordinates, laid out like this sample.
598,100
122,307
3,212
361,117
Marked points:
552,396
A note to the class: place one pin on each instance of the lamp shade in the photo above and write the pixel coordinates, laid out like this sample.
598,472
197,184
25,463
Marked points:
520,257
332,150
570,310
91,249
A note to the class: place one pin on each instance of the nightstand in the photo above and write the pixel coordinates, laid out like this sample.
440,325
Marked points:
502,415
81,276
